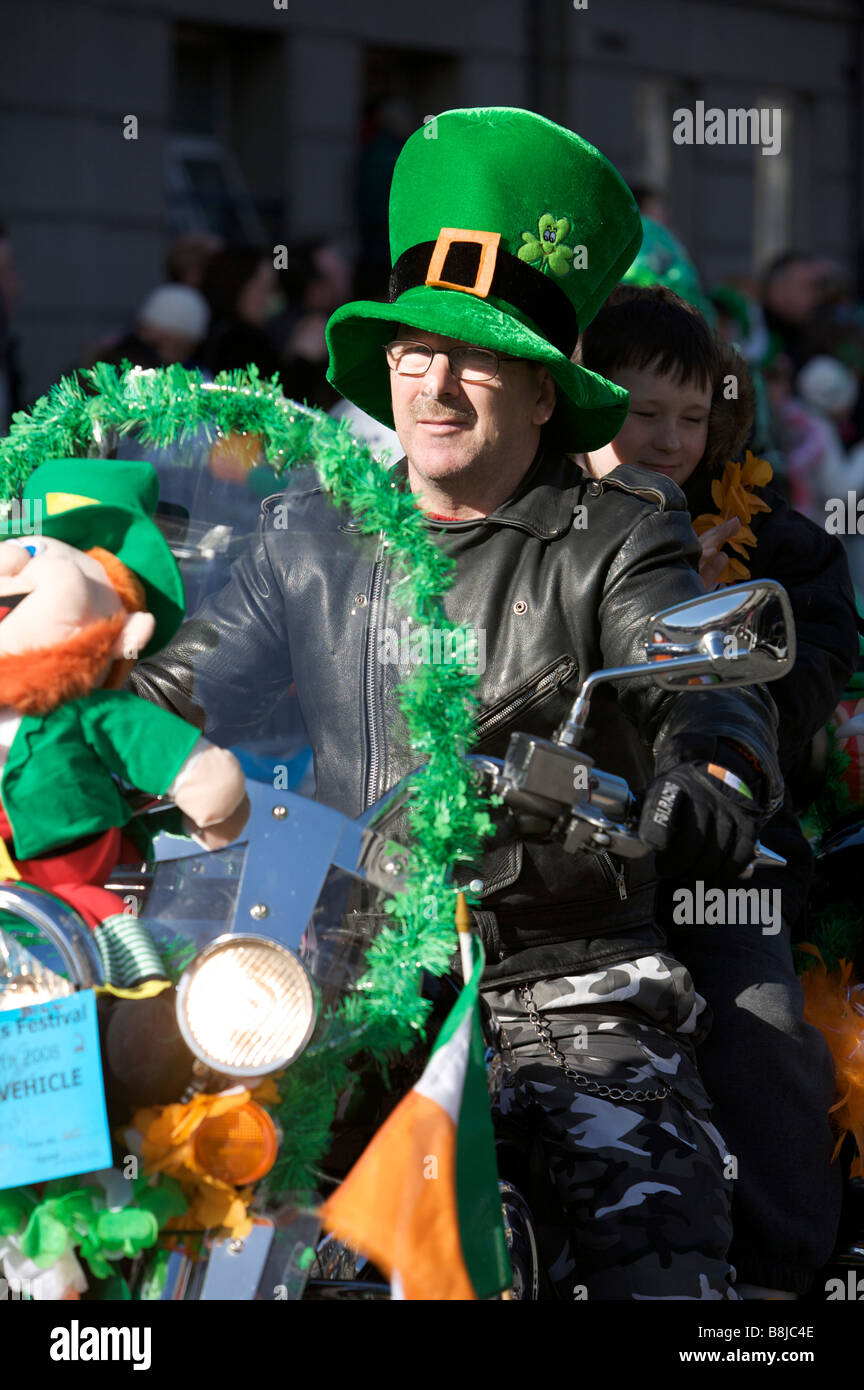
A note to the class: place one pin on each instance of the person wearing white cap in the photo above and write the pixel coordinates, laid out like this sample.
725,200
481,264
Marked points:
169,326
173,320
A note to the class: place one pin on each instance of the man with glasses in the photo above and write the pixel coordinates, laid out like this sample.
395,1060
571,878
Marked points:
507,234
467,417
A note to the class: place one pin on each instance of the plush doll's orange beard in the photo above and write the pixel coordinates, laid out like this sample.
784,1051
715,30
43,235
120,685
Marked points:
37,682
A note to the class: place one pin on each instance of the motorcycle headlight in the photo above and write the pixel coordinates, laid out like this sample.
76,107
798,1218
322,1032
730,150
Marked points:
246,1006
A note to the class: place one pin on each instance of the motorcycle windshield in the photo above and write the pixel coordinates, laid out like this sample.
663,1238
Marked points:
254,551
327,917
213,492
296,619
298,898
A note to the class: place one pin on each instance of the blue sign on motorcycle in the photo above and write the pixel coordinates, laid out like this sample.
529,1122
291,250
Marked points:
52,1100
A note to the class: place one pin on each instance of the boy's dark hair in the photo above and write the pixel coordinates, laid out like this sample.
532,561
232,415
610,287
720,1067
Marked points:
730,421
642,326
650,326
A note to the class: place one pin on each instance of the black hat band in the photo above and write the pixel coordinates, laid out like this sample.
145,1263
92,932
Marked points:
528,290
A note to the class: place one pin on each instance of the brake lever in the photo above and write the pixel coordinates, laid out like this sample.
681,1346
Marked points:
590,829
538,779
763,858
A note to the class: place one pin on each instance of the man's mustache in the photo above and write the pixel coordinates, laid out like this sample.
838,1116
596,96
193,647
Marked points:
429,408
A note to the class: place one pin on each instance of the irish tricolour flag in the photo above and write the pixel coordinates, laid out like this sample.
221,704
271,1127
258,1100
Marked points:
422,1202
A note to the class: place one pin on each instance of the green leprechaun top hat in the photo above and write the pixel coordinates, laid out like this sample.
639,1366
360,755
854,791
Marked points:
508,232
108,503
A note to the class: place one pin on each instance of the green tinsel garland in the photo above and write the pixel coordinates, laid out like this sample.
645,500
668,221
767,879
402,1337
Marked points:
836,934
834,799
836,928
447,812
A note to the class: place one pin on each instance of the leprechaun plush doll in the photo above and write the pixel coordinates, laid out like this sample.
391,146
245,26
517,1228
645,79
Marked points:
96,587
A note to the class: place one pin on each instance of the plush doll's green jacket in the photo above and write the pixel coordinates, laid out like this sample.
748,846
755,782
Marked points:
57,784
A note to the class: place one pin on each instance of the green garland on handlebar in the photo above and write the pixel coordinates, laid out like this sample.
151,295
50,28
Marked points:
447,811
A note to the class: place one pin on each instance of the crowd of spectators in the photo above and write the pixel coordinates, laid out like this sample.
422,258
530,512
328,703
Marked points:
801,328
226,306
222,306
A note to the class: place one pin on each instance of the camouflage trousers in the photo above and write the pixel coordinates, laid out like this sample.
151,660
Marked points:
628,1190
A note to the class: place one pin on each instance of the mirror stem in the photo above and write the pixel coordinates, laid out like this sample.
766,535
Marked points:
571,729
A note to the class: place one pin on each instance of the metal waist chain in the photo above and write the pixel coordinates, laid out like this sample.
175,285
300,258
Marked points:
595,1088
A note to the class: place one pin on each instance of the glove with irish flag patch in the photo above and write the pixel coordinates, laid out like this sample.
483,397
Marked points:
703,817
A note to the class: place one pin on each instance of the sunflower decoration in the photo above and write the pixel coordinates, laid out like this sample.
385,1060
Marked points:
733,496
216,1147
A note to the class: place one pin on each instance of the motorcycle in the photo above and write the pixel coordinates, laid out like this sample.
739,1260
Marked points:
272,934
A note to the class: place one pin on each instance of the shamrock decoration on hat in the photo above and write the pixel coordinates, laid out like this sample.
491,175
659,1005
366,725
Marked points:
507,232
547,250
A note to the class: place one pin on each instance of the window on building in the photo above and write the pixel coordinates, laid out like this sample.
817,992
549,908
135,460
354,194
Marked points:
206,190
401,88
227,112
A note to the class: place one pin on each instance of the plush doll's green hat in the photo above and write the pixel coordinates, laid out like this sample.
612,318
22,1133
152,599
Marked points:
109,503
508,232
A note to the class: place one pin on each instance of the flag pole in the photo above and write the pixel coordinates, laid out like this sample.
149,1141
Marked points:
463,926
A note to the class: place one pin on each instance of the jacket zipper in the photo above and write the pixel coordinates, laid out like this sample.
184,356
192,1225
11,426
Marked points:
372,696
614,875
548,679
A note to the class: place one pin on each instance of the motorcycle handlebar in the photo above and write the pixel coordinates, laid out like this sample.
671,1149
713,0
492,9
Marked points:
609,815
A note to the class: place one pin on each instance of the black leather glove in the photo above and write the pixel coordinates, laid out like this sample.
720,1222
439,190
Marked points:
698,824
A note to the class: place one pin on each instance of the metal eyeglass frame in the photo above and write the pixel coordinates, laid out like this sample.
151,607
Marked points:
449,354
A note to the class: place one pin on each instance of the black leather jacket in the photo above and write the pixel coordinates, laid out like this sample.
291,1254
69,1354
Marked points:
560,580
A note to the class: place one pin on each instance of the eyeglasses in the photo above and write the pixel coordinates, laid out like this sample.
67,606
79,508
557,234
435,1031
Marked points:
466,363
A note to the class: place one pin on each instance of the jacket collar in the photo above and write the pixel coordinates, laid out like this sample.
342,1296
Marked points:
542,504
